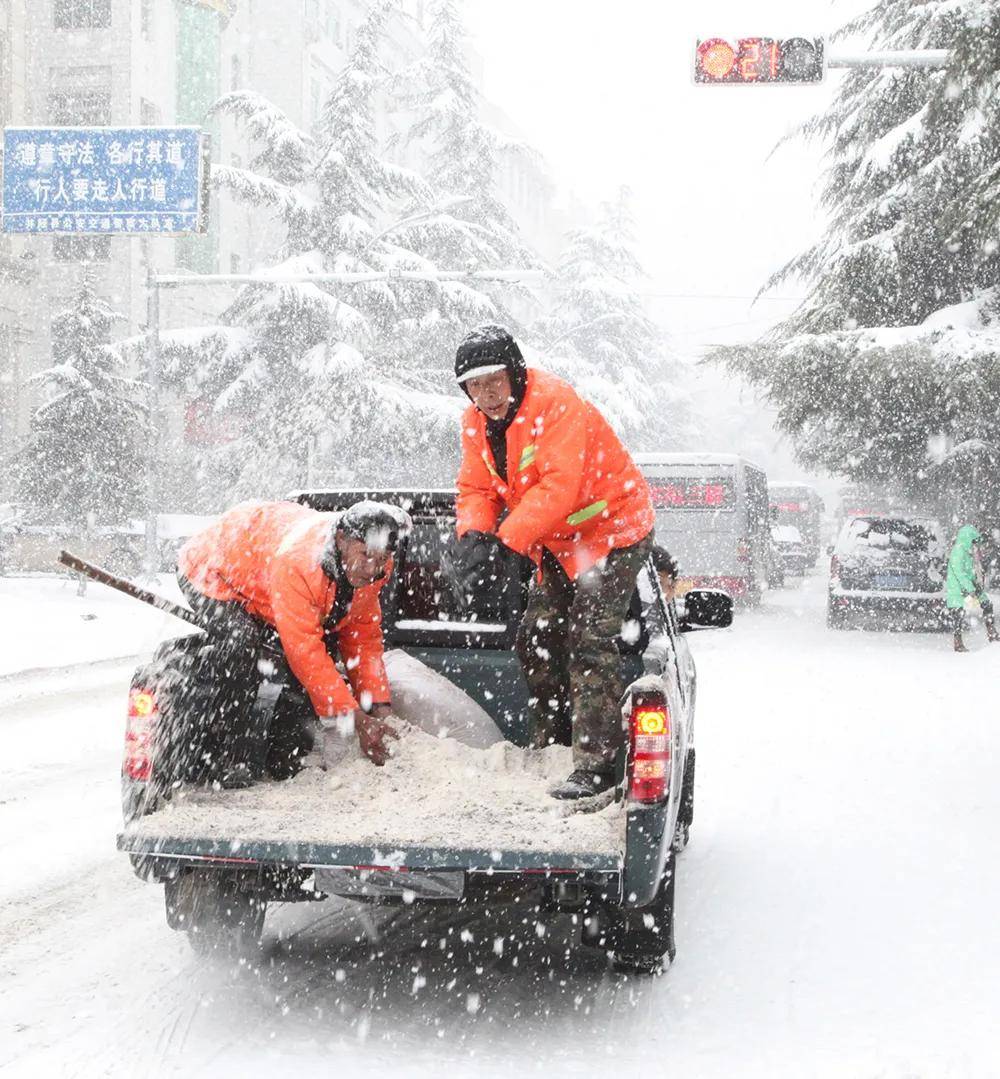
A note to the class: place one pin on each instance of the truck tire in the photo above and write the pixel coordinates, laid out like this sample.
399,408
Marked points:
685,816
644,940
636,941
221,918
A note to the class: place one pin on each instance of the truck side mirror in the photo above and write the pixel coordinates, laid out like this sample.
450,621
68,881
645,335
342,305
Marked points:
706,608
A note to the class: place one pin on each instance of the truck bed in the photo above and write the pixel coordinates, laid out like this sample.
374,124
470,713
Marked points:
436,803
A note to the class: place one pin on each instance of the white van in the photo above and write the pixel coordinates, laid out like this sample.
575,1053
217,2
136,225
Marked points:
712,516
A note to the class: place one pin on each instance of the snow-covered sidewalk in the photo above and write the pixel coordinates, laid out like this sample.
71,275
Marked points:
45,624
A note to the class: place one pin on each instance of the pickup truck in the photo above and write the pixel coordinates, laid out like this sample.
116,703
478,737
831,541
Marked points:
223,855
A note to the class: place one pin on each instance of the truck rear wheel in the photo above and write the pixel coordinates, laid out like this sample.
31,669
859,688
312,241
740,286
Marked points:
685,815
637,941
219,917
643,941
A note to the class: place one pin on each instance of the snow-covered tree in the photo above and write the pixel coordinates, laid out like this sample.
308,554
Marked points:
599,336
913,196
84,459
467,226
318,376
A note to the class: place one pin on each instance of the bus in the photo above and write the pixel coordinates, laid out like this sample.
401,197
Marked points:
712,516
800,505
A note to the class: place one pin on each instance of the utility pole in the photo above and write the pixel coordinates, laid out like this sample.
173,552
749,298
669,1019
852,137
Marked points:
901,58
154,442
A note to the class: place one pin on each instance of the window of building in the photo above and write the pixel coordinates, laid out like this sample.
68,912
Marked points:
146,18
149,114
82,14
235,263
312,12
69,108
79,95
81,248
236,73
236,161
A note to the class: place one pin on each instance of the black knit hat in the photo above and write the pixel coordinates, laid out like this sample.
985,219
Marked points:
487,349
381,526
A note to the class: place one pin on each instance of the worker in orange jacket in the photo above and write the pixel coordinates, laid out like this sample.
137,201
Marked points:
311,576
544,474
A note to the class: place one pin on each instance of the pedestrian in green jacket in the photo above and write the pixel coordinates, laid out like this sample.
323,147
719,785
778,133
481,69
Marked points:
963,582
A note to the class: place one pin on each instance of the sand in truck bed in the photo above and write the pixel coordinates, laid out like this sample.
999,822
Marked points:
452,782
435,792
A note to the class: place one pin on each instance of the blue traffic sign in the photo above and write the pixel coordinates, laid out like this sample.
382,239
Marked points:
102,180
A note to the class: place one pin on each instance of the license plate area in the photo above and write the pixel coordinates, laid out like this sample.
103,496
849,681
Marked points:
370,883
893,582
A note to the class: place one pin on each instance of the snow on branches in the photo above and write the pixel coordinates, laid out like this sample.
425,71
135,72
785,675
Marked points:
599,336
913,198
84,462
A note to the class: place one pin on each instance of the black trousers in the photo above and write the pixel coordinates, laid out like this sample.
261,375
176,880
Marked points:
223,686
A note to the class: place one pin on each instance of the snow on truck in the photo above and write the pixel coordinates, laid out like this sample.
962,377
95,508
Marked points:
460,813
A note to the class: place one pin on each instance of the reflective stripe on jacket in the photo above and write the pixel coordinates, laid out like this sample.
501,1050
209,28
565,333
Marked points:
572,487
267,556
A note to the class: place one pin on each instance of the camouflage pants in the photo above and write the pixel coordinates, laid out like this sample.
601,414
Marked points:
568,647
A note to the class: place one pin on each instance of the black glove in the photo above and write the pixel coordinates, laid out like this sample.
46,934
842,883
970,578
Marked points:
477,569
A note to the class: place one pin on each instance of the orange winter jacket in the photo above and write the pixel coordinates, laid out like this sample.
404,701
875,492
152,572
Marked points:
571,485
266,556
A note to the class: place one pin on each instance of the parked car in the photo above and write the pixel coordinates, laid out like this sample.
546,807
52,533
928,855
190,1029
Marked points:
34,548
218,880
791,551
888,566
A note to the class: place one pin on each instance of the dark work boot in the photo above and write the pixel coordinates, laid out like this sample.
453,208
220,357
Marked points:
991,630
959,643
582,783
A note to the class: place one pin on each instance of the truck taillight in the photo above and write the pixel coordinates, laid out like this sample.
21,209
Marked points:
649,759
142,714
742,551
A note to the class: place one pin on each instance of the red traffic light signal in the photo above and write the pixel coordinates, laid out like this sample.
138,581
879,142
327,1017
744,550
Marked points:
758,60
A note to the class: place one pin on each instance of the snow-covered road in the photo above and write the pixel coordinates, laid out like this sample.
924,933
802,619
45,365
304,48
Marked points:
836,907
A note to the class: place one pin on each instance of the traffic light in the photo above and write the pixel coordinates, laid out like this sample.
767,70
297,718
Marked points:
759,60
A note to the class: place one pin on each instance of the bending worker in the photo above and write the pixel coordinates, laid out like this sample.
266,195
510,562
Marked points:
579,508
315,577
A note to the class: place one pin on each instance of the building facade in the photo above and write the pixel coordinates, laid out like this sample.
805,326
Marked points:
164,62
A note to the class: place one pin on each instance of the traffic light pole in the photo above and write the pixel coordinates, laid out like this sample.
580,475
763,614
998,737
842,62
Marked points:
901,58
156,438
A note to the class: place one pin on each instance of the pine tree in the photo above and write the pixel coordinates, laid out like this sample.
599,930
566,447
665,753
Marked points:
460,221
599,336
320,375
913,194
84,460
